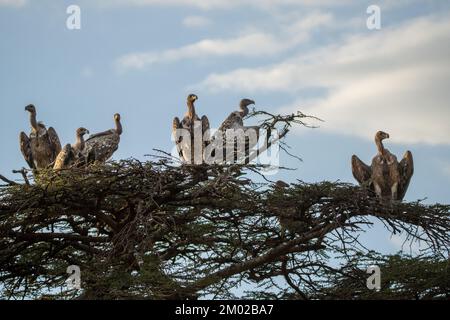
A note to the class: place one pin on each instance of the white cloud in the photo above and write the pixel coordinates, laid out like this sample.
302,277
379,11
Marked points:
13,3
223,4
394,79
252,44
245,45
196,21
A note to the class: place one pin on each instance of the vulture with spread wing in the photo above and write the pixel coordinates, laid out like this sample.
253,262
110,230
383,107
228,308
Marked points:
101,146
42,146
387,177
246,136
185,131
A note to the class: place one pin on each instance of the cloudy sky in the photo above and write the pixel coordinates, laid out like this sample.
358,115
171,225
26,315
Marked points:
142,57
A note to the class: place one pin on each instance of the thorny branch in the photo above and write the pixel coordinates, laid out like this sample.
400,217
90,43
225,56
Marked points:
161,230
168,235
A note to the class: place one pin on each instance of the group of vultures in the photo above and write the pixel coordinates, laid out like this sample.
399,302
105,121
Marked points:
386,176
42,148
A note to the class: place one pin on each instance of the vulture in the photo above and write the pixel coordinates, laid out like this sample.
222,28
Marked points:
101,146
191,122
72,155
388,178
42,146
235,121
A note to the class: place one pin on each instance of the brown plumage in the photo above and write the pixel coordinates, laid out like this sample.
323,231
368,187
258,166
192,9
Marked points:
191,124
235,121
176,125
72,155
386,177
101,146
42,146
65,158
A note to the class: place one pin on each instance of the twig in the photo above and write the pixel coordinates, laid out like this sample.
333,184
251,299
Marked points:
23,172
9,182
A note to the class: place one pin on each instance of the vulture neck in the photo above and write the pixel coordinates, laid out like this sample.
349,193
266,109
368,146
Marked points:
118,127
33,122
80,144
244,110
191,109
380,146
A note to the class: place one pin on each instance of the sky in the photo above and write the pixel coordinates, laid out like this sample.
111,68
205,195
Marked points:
142,58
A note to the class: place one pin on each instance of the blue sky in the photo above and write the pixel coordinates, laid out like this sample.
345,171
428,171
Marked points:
142,57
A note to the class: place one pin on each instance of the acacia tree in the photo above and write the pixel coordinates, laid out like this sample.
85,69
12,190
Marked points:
403,277
158,230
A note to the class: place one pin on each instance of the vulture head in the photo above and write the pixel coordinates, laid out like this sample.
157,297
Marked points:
35,126
192,98
82,131
31,108
244,106
380,136
119,128
246,102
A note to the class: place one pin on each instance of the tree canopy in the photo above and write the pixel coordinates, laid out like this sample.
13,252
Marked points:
161,230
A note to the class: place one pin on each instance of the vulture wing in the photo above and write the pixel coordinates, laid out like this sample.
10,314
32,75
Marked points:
176,124
234,121
101,134
55,144
25,147
361,171
102,146
205,129
206,136
406,168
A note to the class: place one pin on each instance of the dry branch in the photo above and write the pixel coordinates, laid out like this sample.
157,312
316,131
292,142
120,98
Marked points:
183,237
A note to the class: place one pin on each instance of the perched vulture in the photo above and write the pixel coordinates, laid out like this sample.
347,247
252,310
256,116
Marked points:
388,178
72,155
235,121
191,123
101,146
42,146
